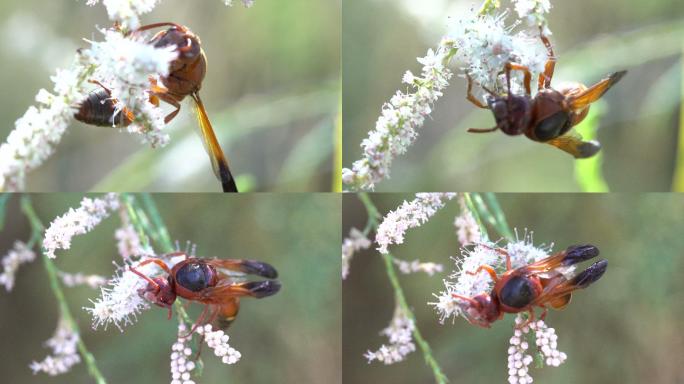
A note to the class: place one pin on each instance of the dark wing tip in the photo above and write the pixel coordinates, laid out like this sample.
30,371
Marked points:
616,76
226,178
587,149
591,274
261,289
259,268
578,253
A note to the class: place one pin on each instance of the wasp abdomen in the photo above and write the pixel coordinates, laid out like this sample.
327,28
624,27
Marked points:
99,109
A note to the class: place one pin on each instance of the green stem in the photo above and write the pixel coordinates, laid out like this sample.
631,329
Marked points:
373,222
36,237
499,216
401,300
163,237
678,182
337,170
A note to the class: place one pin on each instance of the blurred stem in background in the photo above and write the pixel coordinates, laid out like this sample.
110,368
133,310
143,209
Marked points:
337,161
588,171
678,182
37,230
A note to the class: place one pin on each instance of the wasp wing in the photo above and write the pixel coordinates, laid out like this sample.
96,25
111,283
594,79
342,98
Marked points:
573,144
557,291
571,255
595,91
218,160
248,267
226,289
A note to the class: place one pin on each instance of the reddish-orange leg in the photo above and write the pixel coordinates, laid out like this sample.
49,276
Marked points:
500,251
545,78
526,71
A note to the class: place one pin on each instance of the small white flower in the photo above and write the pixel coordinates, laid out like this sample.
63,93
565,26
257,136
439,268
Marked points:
246,3
119,302
218,341
64,352
400,334
181,363
75,279
19,254
128,242
354,243
467,229
409,215
485,44
414,266
77,222
396,128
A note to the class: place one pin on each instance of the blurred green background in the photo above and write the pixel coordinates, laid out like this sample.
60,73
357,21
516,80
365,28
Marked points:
271,92
292,337
624,329
639,120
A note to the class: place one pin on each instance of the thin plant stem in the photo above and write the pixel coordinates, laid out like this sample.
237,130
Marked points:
337,170
678,182
373,216
499,216
3,206
151,207
37,229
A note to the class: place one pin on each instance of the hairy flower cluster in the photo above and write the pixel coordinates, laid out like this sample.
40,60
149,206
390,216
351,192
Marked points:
218,341
128,242
128,78
467,229
485,44
18,255
77,222
518,357
246,3
409,215
119,302
354,243
128,12
533,10
400,334
395,129
181,366
460,282
407,267
64,352
75,279
38,132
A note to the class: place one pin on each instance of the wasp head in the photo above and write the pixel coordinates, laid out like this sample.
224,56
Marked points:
159,293
511,112
482,310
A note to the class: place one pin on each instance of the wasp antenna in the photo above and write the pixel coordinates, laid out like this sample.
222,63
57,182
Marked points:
591,274
260,289
578,253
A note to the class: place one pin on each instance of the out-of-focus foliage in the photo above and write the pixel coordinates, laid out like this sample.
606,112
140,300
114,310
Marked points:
271,92
638,127
623,329
292,337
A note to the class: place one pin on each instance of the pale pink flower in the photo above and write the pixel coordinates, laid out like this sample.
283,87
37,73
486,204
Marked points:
354,243
400,335
18,255
64,352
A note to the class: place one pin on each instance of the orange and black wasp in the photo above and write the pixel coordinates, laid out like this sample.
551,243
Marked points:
539,284
551,113
216,283
185,77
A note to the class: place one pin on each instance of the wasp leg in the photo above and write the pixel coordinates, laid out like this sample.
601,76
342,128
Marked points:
489,270
470,97
482,130
171,100
500,251
155,260
545,78
109,91
526,71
